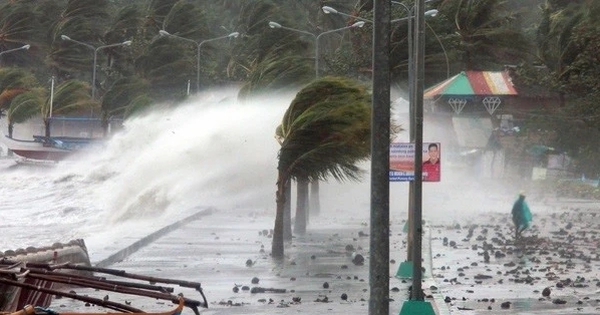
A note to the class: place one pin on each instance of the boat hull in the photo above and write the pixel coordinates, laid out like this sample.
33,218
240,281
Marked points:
44,149
13,298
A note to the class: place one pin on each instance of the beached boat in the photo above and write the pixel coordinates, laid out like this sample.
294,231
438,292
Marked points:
68,135
46,148
32,277
14,297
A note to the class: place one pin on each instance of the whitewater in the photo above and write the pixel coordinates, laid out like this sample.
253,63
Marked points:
212,151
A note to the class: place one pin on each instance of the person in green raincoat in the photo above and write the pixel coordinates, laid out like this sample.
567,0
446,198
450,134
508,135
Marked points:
521,216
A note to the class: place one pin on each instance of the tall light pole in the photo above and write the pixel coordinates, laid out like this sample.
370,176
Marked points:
316,37
417,303
95,49
406,268
379,241
199,46
330,10
24,47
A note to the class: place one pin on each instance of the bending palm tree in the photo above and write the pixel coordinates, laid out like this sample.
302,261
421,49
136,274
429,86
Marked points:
324,132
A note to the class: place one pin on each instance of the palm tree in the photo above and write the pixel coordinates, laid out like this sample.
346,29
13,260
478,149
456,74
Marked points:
324,132
272,62
24,107
17,24
68,97
84,21
13,82
121,95
487,33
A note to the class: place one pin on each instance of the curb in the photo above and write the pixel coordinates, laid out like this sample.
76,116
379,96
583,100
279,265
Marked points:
146,240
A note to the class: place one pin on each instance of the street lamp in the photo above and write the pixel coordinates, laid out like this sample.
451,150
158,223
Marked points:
24,47
199,46
410,18
316,37
330,10
95,49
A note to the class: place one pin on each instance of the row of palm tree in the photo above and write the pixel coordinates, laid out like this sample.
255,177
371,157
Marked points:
324,133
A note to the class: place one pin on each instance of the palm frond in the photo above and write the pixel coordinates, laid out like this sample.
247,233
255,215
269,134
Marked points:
25,106
326,131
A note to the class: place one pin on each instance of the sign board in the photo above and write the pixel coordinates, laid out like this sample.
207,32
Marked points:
402,157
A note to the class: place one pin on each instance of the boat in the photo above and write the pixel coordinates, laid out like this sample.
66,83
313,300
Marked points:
30,278
13,297
76,134
46,148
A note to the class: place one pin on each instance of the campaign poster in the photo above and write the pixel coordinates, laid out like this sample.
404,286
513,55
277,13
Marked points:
402,157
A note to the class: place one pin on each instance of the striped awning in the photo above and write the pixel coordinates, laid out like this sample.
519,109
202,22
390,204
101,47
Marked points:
469,83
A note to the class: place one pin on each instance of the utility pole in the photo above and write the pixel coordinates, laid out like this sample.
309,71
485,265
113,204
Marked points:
379,269
417,304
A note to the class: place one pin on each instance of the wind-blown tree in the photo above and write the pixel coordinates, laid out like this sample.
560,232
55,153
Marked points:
14,81
121,95
487,34
569,41
24,107
269,59
17,26
324,133
84,21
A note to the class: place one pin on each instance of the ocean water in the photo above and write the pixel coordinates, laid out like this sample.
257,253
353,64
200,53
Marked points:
213,151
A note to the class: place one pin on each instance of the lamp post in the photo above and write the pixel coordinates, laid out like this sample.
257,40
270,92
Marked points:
406,268
24,47
330,10
316,37
199,46
95,49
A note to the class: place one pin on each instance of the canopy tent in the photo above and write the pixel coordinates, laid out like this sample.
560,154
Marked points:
487,84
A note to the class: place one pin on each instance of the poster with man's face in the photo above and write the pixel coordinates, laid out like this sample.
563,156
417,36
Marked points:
402,162
431,163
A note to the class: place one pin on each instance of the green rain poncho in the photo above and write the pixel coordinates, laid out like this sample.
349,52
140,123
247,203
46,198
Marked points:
521,215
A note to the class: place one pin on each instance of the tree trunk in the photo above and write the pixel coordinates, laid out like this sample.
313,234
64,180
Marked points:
287,223
277,250
47,127
315,200
301,205
11,126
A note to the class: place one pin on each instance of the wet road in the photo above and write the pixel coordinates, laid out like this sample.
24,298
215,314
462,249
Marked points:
319,276
560,253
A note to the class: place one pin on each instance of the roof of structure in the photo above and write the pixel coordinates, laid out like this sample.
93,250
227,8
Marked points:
468,83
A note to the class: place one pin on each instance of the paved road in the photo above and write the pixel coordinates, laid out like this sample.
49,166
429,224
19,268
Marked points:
318,271
561,255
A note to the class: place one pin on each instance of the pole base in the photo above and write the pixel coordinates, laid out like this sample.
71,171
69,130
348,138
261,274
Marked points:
405,227
405,270
417,308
